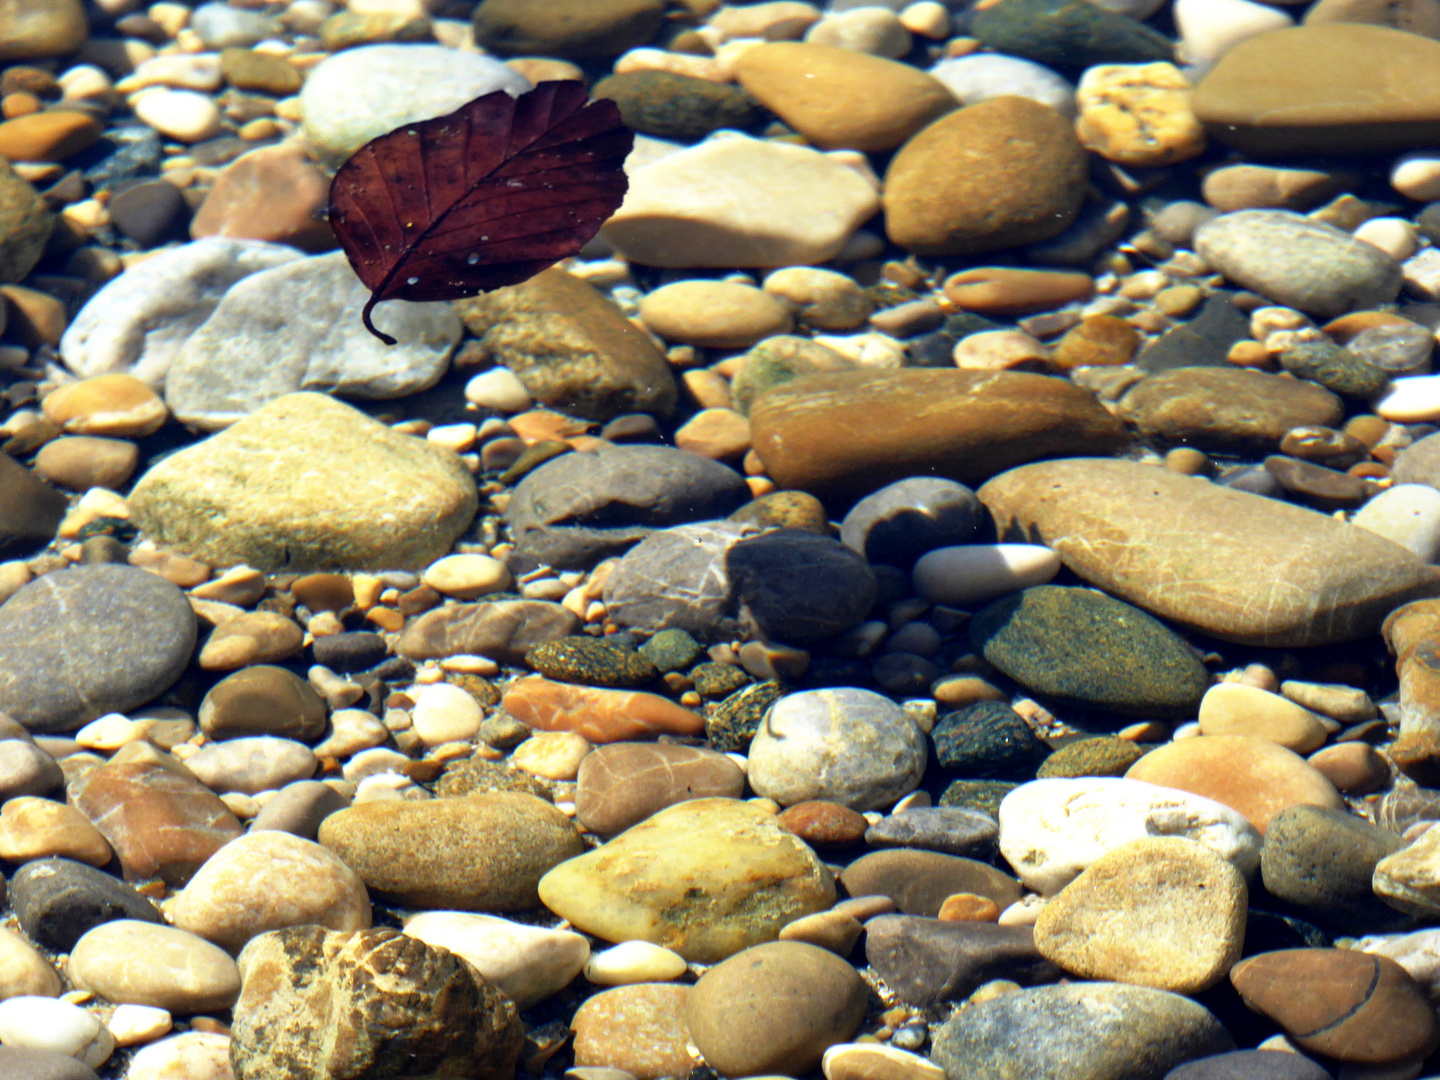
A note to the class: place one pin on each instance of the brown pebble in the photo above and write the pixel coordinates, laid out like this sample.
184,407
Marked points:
324,592
1187,461
824,823
1101,340
80,462
1356,768
969,907
832,930
1003,290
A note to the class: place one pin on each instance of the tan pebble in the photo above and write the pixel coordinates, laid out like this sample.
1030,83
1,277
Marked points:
633,962
871,29
927,18
957,691
1024,912
444,713
865,907
33,318
23,971
714,314
48,136
708,387
35,828
117,405
1001,290
1237,709
1187,461
823,299
873,1061
257,637
969,907
183,115
324,592
80,462
1000,350
95,503
134,1025
174,568
831,930
1179,300
241,585
14,575
1099,340
467,577
719,434
1138,114
554,755
1353,767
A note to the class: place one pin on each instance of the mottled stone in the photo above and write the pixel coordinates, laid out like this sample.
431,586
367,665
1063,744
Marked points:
591,661
671,106
987,739
1324,861
569,28
1065,33
624,783
733,724
639,1030
1103,756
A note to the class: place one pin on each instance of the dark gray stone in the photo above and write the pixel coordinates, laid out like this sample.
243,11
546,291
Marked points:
947,829
299,808
1251,1065
1065,34
1323,861
18,1063
580,508
904,520
927,961
149,212
1334,367
1083,1031
671,650
355,650
25,769
58,900
670,106
91,640
30,509
987,739
1204,341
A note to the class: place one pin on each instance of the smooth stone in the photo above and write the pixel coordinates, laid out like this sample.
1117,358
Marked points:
1081,1031
926,961
1335,368
1298,91
46,1023
987,739
314,341
33,31
354,650
774,1009
262,700
1257,777
1416,952
866,29
1354,768
848,746
949,830
1063,33
706,878
993,175
601,716
1210,29
162,822
299,808
622,784
1082,647
1237,709
592,662
485,852
781,359
256,637
140,963
859,1061
33,509
714,314
139,320
1250,1065
1406,514
634,1031
571,348
735,201
58,901
368,1002
1405,877
196,1055
218,25
445,713
251,765
823,824
1228,410
1161,911
25,226
968,575
1325,581
840,99
1051,830
267,881
636,962
34,828
23,971
1204,340
467,577
1323,861
904,520
1268,187
964,425
360,94
576,29
982,76
668,105
117,404
526,963
580,508
500,389
25,769
48,136
19,1063
88,641
919,881
831,930
1411,400
325,465
1348,1005
1102,756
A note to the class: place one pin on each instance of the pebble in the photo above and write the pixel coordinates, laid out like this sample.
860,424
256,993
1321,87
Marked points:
262,699
45,1023
26,972
637,1031
823,824
903,521
1210,30
920,881
1324,861
705,878
1236,709
982,76
1406,877
58,901
140,963
445,713
258,637
36,828
987,739
926,961
138,1024
1138,114
81,462
1250,1065
202,1055
622,784
182,115
601,716
526,963
950,830
714,314
500,389
634,962
854,1061
254,764
18,1063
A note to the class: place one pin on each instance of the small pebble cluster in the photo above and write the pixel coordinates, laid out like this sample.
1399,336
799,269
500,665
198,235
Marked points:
943,587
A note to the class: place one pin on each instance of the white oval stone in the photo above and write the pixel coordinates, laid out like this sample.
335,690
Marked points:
1408,514
23,971
467,577
445,713
47,1023
1051,830
499,389
528,963
1412,400
1393,235
1416,175
143,963
634,962
182,115
195,1055
133,1025
972,574
1211,28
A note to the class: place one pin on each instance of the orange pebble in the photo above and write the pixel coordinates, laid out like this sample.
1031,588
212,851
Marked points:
968,907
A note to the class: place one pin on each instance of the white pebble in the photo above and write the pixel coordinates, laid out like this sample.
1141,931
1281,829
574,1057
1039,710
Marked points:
1211,28
927,18
467,577
1393,235
179,71
1412,400
870,350
133,1025
182,115
1408,515
499,389
634,962
196,1055
1416,175
445,713
45,1023
871,29
971,574
528,963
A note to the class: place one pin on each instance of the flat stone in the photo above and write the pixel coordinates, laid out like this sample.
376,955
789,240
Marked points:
919,881
140,963
20,1063
1257,777
1274,95
502,629
736,201
775,1009
203,1055
624,783
568,28
856,1061
314,341
1299,262
267,881
299,808
320,1003
1348,1005
1114,525
46,1023
848,746
601,716
637,1030
926,961
526,963
160,822
36,30
994,175
580,508
1083,648
591,661
262,700
485,852
706,878
1203,341
1324,861
58,901
139,320
1162,911
823,824
117,404
949,830
1250,1065
1051,830
251,765
964,425
295,482
88,641
256,637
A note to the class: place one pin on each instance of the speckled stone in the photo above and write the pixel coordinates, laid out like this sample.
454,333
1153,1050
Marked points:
591,661
1334,367
982,795
733,724
987,739
1104,756
639,1030
671,650
1323,861
714,680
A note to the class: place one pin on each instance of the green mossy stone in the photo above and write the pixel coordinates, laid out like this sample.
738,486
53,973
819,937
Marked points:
471,776
670,106
981,795
1334,367
671,650
778,360
591,661
785,510
714,680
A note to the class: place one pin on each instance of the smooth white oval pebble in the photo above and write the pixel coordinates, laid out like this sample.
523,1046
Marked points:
196,1055
182,115
45,1023
528,963
445,713
972,574
1393,235
1407,514
499,389
135,1024
1416,175
634,962
1412,400
1211,28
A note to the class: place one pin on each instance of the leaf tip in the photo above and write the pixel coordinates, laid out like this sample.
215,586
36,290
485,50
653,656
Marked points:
365,318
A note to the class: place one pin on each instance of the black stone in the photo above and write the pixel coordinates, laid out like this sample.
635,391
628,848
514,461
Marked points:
987,740
925,961
58,901
1204,341
904,675
150,212
904,520
1267,931
355,650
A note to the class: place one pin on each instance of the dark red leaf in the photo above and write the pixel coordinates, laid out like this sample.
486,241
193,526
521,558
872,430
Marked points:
487,196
